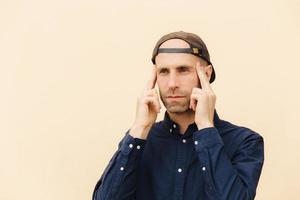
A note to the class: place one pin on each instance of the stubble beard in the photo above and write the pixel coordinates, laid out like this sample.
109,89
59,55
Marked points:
179,106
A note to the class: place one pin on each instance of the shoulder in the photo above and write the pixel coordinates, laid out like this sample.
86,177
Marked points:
237,137
240,140
229,129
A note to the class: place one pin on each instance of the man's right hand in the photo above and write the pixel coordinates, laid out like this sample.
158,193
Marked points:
148,106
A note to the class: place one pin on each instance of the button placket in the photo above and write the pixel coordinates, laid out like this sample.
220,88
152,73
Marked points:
180,163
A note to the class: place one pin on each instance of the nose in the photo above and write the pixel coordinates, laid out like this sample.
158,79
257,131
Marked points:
173,80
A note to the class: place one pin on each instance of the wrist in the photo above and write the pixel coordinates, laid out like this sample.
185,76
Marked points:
204,125
138,131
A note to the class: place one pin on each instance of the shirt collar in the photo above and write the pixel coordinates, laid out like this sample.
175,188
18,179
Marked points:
170,124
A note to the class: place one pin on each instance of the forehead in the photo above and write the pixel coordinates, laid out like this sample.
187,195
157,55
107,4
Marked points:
172,60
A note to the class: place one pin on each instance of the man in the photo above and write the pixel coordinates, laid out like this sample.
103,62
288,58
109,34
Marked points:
192,153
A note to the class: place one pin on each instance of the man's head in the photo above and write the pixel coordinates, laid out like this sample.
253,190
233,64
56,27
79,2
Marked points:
177,75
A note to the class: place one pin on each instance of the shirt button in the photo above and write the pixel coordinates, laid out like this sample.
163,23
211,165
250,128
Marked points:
130,145
122,168
174,125
179,170
184,140
196,142
170,130
203,168
138,146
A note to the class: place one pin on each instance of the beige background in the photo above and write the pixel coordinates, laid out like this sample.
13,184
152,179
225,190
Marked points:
70,72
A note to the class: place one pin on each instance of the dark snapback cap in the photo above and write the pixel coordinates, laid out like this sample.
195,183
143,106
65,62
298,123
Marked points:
197,47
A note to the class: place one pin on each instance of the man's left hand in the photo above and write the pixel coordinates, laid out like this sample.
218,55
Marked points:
203,100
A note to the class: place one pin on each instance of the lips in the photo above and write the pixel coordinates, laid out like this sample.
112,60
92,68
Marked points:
175,97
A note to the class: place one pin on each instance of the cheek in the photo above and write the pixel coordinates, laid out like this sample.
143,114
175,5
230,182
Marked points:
161,82
161,85
191,81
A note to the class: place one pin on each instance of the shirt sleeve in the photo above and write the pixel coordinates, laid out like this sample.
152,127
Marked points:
235,178
118,181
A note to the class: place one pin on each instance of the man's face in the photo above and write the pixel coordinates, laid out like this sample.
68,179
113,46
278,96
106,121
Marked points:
177,76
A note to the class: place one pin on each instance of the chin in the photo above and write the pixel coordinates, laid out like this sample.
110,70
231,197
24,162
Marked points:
177,109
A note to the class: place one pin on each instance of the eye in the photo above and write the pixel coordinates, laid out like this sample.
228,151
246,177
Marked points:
183,69
163,71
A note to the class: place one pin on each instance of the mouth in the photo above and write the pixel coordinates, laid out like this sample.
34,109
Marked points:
175,97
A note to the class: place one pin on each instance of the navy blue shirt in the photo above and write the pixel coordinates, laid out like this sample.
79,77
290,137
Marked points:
220,162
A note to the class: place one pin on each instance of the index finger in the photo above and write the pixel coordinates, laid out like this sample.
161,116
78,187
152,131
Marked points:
151,82
202,76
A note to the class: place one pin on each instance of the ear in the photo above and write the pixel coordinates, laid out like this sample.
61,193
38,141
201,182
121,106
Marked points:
208,71
207,68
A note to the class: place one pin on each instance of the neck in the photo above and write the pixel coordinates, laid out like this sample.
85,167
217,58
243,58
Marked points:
183,119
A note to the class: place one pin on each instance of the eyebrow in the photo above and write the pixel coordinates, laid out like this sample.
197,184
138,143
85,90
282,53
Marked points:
177,67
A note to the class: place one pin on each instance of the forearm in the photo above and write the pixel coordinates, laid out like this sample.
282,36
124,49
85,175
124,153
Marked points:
140,132
119,178
234,179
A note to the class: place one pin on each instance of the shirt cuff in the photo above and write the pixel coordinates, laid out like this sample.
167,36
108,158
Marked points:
206,138
132,144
